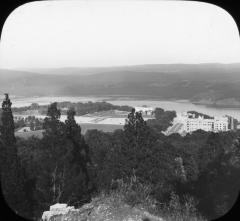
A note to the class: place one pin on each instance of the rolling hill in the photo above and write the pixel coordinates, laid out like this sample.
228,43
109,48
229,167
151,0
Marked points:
200,83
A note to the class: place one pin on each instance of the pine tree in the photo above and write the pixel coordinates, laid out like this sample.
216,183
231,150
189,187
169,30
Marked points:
52,124
80,151
136,131
54,152
7,128
64,176
12,174
138,139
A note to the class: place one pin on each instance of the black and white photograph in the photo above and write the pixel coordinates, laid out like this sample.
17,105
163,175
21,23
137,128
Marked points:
122,110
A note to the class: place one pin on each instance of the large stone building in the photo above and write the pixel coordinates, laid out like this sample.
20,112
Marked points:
215,124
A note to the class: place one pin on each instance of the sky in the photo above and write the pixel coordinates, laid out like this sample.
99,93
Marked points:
90,33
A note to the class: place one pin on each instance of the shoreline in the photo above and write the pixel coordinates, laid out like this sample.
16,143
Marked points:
137,101
42,100
214,105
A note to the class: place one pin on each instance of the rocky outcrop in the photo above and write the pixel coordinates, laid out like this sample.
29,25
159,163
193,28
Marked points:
98,211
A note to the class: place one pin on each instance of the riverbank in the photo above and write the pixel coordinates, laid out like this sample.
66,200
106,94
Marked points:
224,103
210,109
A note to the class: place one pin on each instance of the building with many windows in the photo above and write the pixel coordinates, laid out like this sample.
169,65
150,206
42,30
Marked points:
215,124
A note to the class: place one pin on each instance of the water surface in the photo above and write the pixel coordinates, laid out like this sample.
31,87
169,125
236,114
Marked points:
178,105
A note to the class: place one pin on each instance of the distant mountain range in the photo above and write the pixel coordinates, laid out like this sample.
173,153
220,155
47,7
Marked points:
213,84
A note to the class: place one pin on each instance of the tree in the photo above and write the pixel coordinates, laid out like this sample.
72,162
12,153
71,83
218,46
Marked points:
105,156
32,126
13,179
163,119
136,149
136,131
138,141
158,112
7,128
64,176
212,166
34,106
52,123
54,151
79,155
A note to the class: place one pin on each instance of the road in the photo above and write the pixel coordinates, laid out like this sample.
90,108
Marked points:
175,128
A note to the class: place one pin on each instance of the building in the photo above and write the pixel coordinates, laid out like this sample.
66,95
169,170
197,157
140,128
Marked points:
145,110
220,124
216,124
232,123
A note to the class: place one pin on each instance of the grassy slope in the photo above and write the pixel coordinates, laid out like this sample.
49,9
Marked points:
85,127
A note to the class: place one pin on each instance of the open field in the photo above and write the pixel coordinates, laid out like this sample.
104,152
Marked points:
102,127
26,135
85,127
111,117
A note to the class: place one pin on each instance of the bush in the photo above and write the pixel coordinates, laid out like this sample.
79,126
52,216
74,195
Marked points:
135,193
131,192
139,195
181,210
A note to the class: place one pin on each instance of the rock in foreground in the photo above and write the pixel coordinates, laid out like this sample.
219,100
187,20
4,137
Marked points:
98,210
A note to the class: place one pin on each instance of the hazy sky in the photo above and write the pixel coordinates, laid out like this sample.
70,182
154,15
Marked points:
104,33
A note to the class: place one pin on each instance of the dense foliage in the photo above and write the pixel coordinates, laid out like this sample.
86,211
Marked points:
13,179
200,115
79,107
31,121
163,120
67,167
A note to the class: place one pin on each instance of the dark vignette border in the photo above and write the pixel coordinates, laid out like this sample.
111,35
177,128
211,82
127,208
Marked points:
7,6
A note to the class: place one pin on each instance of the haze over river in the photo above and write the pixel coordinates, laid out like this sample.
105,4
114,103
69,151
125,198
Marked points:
178,105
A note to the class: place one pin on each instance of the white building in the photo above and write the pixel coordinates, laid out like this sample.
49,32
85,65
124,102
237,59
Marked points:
145,110
216,124
192,124
221,124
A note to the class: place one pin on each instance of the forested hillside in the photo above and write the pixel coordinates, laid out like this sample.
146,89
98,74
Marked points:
194,177
213,84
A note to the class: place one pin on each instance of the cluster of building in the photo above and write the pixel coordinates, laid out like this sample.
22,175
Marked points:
147,111
187,122
191,123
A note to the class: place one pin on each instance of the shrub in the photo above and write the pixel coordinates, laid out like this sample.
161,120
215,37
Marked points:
181,210
135,193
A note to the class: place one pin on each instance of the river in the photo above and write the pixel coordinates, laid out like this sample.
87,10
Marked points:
178,105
